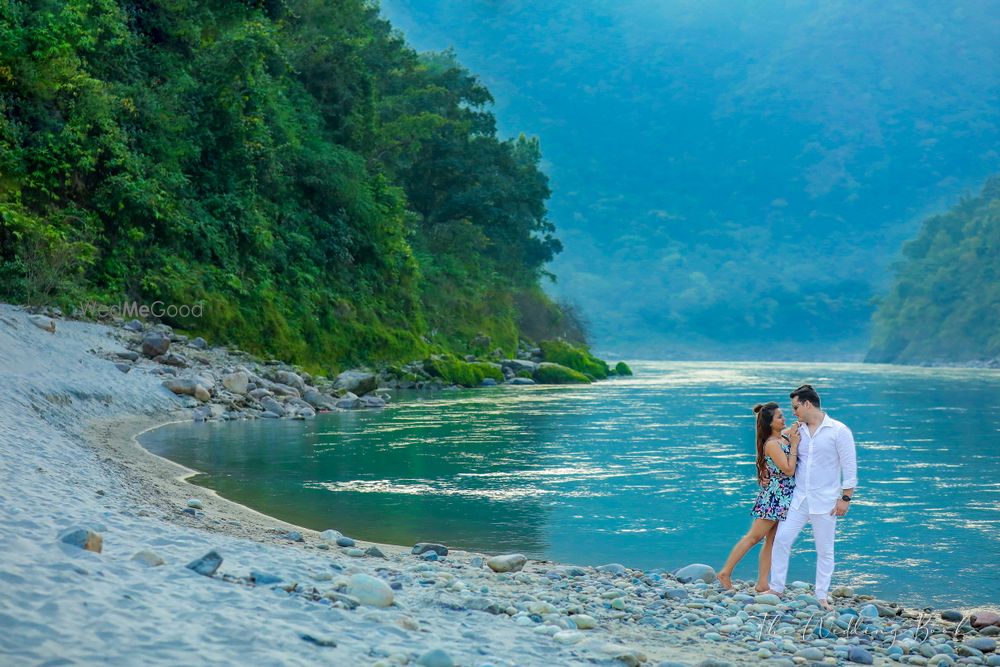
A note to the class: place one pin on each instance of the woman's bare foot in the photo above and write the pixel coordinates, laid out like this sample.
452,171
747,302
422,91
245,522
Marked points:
825,604
726,580
767,591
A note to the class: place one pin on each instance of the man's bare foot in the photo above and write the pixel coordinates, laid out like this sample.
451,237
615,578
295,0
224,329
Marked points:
825,604
726,580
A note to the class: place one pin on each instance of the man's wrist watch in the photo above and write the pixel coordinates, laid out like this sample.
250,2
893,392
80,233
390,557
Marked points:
846,498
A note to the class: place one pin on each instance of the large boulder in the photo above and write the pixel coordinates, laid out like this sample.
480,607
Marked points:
519,365
187,387
550,373
283,389
356,382
44,323
289,379
171,359
271,405
236,382
155,343
318,400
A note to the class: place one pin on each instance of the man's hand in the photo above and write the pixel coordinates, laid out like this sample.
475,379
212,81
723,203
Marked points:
841,508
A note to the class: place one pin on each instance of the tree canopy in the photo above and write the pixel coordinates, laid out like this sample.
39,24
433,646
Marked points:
945,304
326,192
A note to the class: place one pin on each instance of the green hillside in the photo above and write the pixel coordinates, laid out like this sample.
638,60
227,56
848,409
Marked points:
327,194
945,304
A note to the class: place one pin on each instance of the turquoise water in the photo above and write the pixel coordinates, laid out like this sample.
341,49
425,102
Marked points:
651,471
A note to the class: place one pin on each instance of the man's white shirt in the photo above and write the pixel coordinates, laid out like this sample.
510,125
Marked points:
827,465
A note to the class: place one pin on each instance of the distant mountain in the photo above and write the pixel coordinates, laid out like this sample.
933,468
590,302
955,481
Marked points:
734,179
945,304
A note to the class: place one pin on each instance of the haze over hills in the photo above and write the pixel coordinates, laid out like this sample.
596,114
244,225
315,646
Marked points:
734,180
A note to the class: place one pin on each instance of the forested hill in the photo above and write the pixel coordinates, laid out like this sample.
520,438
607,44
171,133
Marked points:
734,179
945,304
327,194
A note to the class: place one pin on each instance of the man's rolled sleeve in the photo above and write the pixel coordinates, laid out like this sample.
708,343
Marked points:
848,458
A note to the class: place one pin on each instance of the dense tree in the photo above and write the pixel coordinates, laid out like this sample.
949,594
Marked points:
327,193
945,304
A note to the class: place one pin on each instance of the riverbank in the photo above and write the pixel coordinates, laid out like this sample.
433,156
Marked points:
71,460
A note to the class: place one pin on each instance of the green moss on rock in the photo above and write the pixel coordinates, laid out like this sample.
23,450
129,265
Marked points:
621,368
550,373
453,370
578,358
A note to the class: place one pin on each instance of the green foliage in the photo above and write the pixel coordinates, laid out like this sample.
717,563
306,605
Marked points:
578,358
456,371
550,373
944,304
325,193
540,318
621,368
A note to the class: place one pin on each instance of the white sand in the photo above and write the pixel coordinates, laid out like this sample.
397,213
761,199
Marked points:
68,418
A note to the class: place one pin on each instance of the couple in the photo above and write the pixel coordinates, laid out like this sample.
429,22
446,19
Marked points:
807,474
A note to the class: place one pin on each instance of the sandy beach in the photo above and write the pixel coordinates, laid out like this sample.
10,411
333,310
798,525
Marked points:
287,595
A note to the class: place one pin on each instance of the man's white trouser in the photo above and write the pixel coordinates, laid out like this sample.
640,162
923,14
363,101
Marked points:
824,526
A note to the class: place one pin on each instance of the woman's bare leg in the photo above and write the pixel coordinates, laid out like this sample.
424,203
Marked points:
758,530
764,561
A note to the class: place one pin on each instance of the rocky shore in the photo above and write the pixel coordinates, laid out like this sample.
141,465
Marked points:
108,556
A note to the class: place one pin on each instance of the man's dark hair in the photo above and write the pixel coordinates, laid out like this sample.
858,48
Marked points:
806,393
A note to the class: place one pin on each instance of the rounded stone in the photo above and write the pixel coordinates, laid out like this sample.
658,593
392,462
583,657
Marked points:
507,563
435,658
370,590
695,572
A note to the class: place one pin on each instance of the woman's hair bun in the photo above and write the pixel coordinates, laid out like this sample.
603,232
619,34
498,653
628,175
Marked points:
757,408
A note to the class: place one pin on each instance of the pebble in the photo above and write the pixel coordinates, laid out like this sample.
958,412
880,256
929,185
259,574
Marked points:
330,535
507,563
584,622
436,658
370,590
355,552
810,653
952,615
984,644
768,598
264,579
568,636
83,538
147,558
859,655
344,541
981,619
869,611
294,536
374,552
696,571
194,503
207,564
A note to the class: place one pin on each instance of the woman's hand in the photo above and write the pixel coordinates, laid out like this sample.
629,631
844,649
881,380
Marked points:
793,435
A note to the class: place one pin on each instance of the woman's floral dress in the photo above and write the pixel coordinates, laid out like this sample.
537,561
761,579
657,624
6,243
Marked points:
774,499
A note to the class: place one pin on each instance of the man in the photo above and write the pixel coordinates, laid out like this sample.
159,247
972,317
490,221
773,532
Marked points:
825,477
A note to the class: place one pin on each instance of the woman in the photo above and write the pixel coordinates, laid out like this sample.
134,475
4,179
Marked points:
776,458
